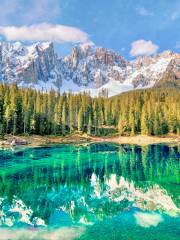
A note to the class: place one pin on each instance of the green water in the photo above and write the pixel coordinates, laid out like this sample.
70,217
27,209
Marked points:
100,191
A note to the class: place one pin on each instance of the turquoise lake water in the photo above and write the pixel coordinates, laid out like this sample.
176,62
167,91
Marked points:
99,191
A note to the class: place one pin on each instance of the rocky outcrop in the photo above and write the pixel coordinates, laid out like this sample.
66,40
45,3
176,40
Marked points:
140,80
90,65
171,77
87,67
28,65
95,67
14,141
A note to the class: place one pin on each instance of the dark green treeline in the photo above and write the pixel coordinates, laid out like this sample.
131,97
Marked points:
149,112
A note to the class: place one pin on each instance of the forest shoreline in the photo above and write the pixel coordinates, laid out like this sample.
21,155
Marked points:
38,141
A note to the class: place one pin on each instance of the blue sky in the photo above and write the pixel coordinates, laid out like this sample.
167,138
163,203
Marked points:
130,27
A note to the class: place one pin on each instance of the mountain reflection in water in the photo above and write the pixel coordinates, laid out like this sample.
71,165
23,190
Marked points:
79,188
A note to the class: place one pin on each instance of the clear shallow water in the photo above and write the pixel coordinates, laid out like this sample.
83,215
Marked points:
99,191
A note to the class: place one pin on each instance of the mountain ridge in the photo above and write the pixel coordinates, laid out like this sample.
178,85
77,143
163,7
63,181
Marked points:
86,68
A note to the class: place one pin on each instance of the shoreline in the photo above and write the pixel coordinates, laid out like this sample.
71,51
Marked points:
141,140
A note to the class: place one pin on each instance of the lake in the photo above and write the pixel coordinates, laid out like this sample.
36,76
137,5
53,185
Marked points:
99,191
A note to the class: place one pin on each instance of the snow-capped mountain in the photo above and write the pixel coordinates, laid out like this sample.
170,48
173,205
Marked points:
28,65
87,68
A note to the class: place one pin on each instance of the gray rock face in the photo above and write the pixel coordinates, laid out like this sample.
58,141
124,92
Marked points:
98,66
174,67
87,67
171,77
28,65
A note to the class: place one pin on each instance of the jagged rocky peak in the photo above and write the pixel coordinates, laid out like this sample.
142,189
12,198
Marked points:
145,61
167,54
90,65
19,49
109,57
174,66
171,77
27,64
96,55
86,68
142,61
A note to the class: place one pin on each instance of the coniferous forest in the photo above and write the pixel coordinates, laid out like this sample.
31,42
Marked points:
153,111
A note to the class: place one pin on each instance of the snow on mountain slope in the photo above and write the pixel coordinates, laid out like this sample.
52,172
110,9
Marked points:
87,68
27,64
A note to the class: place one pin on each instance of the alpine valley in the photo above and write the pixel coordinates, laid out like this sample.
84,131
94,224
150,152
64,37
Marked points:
87,68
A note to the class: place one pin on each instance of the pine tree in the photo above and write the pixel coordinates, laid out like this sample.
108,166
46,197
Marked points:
80,120
64,118
89,129
71,114
152,112
132,123
1,112
144,121
96,118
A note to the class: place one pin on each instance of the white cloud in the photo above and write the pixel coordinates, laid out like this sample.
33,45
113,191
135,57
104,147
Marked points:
147,220
141,10
143,47
44,32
